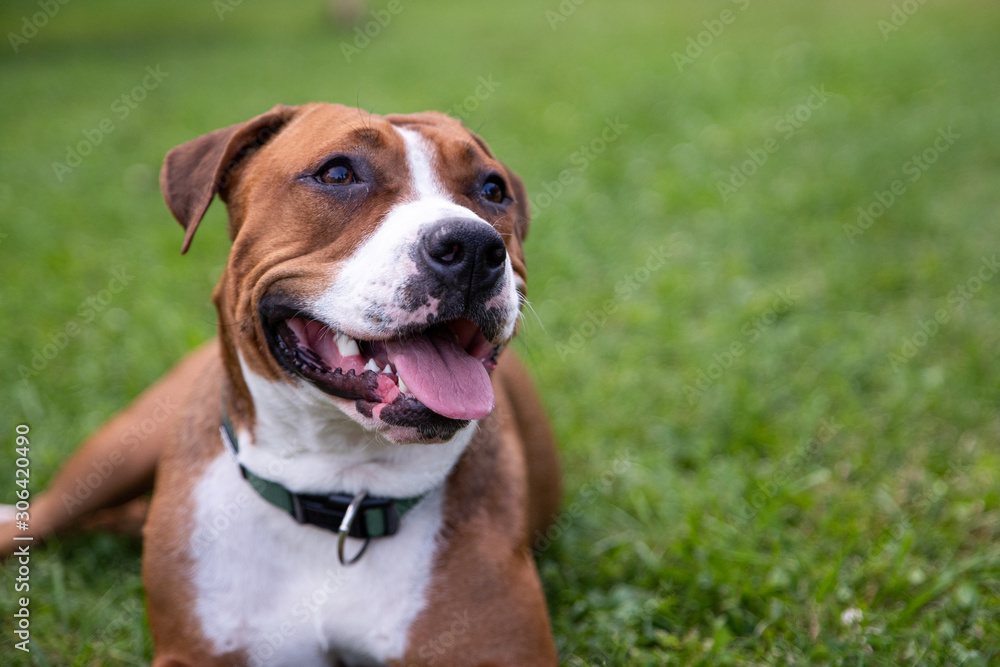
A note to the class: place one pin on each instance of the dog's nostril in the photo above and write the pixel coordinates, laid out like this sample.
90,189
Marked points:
452,255
495,255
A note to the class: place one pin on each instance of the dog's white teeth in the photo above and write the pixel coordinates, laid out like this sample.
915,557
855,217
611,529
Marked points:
371,366
347,346
387,370
402,386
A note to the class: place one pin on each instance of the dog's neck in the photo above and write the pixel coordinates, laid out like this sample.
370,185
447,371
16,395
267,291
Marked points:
301,440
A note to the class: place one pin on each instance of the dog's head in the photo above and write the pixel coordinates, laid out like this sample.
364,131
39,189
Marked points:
375,259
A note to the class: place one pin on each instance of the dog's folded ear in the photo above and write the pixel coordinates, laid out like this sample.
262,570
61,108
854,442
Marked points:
194,172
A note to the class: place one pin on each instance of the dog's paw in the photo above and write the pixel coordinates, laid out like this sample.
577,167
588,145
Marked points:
7,530
7,513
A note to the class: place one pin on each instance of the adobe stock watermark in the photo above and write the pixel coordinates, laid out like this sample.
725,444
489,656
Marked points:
957,470
225,516
957,299
625,288
588,493
562,13
127,444
87,311
790,465
697,44
223,7
595,658
222,519
913,169
581,159
901,13
20,514
31,25
121,107
364,34
304,609
786,127
128,613
484,91
750,332
434,651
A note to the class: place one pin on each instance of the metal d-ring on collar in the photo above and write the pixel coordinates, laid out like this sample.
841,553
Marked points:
345,528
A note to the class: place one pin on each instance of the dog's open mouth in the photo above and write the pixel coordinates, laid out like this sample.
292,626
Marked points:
411,380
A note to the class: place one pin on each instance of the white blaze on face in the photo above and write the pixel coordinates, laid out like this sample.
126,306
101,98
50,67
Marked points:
420,156
363,300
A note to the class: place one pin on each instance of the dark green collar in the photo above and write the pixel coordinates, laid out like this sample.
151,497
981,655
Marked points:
370,517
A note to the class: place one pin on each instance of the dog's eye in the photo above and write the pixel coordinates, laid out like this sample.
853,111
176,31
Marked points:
493,190
336,174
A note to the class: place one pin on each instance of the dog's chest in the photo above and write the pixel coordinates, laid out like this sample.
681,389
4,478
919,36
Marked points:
274,589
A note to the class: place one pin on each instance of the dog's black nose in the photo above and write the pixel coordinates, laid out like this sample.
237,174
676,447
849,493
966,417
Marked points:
465,254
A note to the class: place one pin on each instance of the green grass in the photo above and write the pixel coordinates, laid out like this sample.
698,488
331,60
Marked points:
728,523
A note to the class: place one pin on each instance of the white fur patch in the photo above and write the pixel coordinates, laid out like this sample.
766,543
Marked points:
420,160
275,589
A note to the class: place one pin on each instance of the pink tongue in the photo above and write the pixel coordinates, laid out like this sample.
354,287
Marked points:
442,375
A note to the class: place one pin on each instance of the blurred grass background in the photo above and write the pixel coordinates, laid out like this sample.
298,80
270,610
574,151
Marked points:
807,499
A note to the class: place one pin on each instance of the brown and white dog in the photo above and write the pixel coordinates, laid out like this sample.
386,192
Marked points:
376,274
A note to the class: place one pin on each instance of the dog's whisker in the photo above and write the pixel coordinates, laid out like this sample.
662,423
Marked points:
531,308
